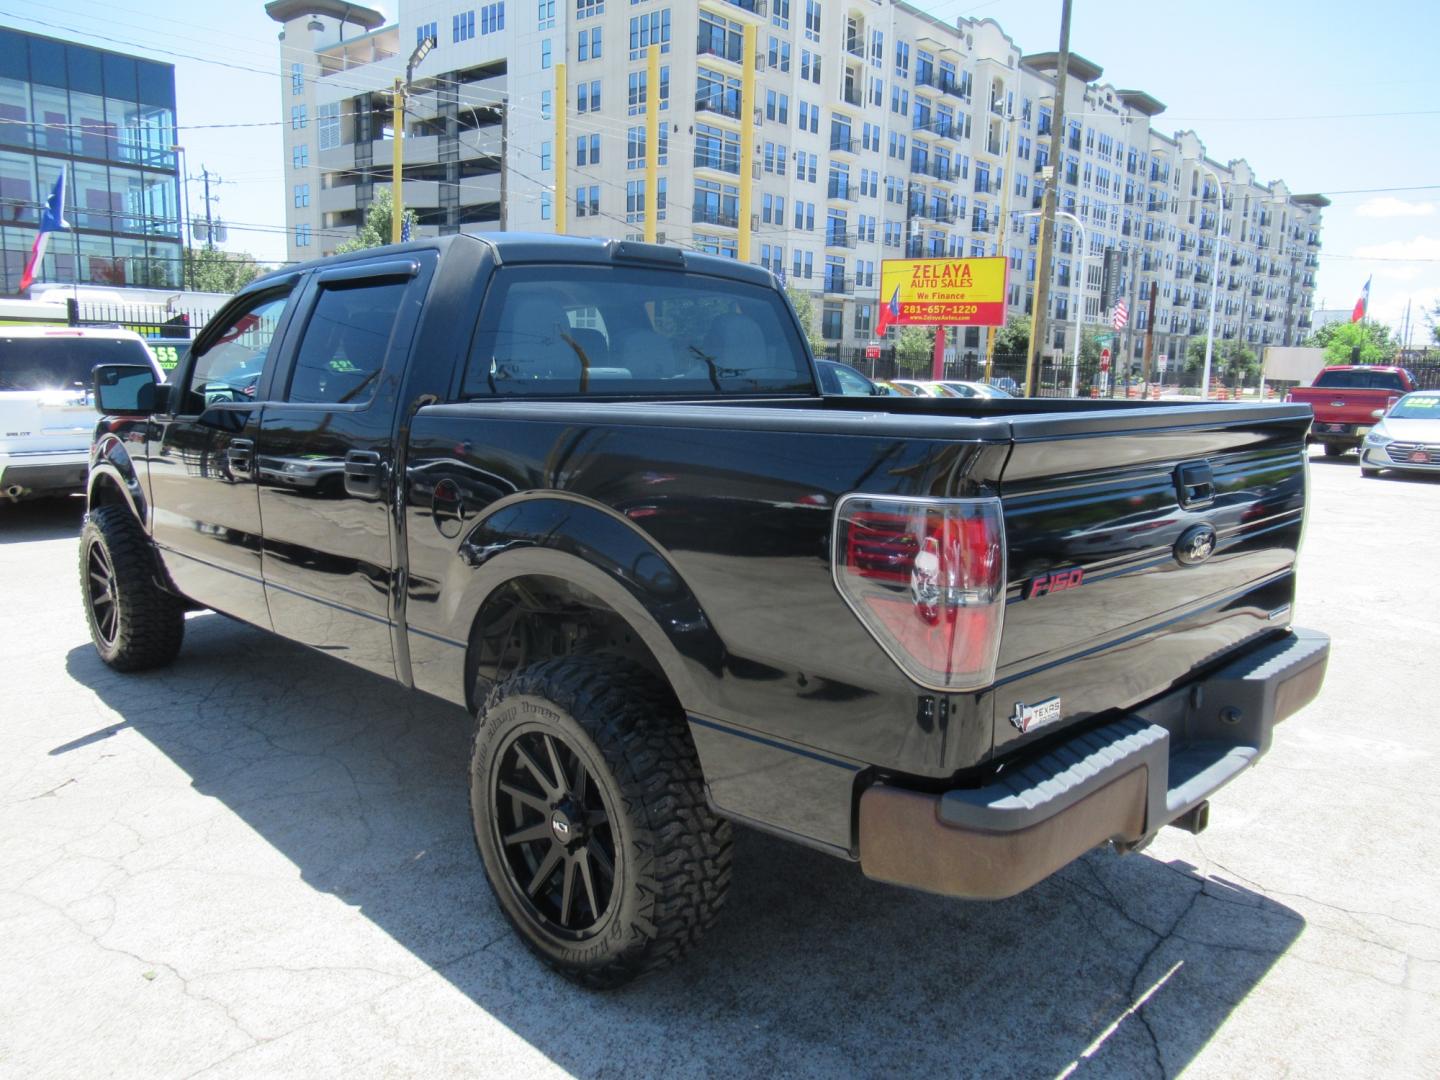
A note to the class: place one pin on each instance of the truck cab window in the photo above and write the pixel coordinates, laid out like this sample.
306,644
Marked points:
230,367
343,350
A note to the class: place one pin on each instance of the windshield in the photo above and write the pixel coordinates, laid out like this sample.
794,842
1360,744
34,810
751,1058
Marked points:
61,362
566,330
1361,380
1416,407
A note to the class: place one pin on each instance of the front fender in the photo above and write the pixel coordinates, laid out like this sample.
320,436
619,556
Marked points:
113,470
596,549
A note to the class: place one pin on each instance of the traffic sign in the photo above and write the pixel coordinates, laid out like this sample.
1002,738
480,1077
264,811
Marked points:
872,352
1164,363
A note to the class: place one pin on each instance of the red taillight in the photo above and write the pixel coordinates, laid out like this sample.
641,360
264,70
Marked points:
927,578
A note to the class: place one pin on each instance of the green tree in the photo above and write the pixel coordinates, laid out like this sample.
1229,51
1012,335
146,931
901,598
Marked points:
376,230
1339,340
209,269
1013,339
1433,318
1229,360
915,348
804,305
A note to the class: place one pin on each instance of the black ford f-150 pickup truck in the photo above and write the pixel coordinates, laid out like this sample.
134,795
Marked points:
590,491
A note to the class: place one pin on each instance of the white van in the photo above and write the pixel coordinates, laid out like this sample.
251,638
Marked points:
46,416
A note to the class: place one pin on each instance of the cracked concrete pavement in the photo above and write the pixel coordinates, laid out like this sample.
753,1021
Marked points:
258,862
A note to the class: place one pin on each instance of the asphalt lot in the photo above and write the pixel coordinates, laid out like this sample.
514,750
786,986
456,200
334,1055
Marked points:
258,863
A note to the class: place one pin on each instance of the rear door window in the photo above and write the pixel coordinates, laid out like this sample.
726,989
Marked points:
1361,380
603,330
61,361
346,341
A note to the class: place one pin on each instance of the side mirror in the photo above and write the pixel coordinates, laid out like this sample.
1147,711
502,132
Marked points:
125,389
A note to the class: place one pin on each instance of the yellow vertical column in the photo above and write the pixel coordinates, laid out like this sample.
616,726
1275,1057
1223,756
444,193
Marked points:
562,155
747,142
397,163
652,143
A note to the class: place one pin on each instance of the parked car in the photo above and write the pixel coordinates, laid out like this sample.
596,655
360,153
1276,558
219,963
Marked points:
894,389
1348,399
46,415
974,389
1407,439
926,388
695,590
837,378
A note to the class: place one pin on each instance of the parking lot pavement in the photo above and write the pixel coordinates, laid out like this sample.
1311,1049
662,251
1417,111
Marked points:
258,863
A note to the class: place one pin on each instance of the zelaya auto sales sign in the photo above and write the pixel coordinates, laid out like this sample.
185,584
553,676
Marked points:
942,292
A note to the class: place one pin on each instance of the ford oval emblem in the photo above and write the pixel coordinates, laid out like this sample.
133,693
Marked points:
1196,544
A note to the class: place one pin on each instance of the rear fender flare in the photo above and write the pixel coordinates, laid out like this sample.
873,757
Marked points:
596,549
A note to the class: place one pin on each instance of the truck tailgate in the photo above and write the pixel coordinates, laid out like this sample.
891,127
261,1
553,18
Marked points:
1137,556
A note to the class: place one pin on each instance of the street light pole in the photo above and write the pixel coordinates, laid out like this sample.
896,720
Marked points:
1214,274
397,124
1080,307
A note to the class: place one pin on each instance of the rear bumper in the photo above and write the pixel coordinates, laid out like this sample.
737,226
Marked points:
27,474
1122,781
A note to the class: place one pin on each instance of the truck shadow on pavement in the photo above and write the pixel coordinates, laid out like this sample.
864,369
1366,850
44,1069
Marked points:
1117,966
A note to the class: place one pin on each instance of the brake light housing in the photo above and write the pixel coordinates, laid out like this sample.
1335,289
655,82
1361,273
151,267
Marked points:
927,579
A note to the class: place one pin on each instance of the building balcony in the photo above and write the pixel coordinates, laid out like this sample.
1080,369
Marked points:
842,191
705,215
839,144
853,96
725,162
855,46
838,285
841,239
718,105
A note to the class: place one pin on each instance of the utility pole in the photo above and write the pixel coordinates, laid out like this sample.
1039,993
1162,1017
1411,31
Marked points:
209,218
1039,327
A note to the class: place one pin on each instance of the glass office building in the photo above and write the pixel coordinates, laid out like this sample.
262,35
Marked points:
108,121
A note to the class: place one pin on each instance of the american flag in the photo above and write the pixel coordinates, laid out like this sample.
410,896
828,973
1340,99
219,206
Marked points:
1120,316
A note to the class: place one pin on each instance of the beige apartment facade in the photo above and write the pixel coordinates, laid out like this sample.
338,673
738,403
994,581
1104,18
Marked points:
878,132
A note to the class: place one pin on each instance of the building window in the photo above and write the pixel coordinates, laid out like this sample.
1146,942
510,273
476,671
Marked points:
545,55
779,55
300,156
302,235
426,30
298,118
719,37
545,15
638,93
812,20
588,44
492,18
462,26
547,204
587,201
545,153
587,150
327,120
635,147
302,195
547,104
585,8
647,30
297,79
810,66
780,13
832,319
862,318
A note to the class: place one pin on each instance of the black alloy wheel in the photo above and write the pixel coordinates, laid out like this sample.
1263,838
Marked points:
554,828
135,623
591,818
100,595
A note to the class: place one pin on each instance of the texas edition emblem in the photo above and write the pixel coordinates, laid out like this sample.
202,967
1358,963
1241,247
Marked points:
1030,717
1196,544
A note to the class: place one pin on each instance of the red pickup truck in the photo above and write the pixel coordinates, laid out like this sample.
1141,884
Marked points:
1348,400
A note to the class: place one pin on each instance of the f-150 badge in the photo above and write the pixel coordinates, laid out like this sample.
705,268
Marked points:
1030,717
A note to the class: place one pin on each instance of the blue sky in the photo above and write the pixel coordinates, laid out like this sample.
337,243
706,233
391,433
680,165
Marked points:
1306,92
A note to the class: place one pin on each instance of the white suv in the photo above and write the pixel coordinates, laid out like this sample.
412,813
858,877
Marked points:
46,416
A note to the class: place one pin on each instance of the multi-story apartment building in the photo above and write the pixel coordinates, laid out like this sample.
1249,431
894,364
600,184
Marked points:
107,120
879,132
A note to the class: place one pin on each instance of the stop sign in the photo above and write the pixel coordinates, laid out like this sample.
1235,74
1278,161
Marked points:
1104,359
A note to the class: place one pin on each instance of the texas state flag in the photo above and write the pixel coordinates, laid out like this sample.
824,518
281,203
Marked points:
1363,304
52,219
889,312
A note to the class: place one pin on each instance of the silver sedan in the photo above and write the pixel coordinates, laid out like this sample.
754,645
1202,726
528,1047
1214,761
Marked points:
1408,437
